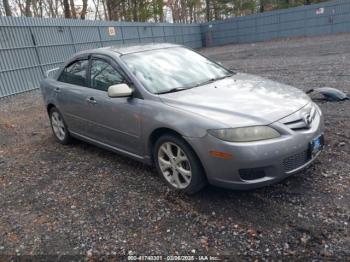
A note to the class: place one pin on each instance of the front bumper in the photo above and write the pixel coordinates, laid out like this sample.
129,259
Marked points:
270,160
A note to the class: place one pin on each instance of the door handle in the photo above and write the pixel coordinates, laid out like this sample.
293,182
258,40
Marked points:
57,90
91,100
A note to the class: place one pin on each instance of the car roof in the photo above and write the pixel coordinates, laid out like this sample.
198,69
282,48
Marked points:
130,48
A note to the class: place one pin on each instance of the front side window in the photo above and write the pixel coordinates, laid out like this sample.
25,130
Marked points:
103,75
163,70
75,73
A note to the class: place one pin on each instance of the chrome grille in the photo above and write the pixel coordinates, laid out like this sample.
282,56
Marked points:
301,120
296,125
295,161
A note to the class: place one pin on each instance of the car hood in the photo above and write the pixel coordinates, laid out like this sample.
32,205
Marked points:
240,100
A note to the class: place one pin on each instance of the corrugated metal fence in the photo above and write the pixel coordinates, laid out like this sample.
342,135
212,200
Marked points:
317,19
31,46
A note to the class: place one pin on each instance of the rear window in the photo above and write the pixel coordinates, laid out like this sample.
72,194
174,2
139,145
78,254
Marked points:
75,73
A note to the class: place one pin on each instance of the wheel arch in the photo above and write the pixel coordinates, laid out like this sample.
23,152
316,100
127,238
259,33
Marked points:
157,133
49,107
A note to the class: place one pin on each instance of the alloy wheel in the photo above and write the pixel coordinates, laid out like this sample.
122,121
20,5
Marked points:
174,165
58,126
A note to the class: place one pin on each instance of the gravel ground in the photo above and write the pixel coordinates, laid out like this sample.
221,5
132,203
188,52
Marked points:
82,200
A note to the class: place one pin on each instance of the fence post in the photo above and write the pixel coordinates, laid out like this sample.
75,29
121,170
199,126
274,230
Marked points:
182,35
164,38
37,51
99,35
152,34
121,30
71,37
138,33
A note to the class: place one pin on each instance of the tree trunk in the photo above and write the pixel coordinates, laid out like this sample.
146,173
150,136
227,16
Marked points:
207,9
112,14
41,8
154,10
83,11
216,11
262,8
109,10
191,13
7,8
134,10
161,12
51,11
66,9
105,10
97,12
27,11
56,8
72,9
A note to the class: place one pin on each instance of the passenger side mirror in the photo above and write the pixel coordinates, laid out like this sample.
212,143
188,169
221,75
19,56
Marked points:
120,90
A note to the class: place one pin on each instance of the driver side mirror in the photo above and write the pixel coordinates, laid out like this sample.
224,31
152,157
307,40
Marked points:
120,90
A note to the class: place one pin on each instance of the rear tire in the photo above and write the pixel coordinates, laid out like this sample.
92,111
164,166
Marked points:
178,165
59,127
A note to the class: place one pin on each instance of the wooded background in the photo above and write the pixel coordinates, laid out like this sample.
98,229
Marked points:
181,11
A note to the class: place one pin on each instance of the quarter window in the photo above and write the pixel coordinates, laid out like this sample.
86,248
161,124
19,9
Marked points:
103,75
75,73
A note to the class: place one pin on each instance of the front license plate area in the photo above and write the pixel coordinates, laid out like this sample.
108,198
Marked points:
316,145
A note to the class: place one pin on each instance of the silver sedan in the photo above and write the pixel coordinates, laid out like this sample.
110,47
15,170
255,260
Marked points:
195,120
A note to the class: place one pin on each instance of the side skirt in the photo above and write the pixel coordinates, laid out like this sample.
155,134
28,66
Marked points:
143,159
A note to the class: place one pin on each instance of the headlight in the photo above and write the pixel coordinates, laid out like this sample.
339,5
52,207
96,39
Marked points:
245,134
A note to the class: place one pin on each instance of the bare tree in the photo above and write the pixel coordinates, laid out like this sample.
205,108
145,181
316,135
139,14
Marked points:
114,8
105,10
7,8
97,11
27,11
134,10
66,9
38,8
207,9
83,11
72,9
51,11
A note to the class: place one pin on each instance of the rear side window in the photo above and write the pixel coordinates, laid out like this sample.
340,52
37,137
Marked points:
75,73
103,75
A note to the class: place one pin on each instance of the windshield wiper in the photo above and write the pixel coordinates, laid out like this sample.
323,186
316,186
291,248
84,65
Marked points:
173,90
177,89
211,80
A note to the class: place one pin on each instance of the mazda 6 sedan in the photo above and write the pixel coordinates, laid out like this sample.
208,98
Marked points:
195,120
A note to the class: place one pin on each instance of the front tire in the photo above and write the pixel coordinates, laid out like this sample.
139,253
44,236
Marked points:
178,165
59,127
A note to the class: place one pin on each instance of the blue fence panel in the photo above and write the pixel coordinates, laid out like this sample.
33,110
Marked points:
316,19
31,46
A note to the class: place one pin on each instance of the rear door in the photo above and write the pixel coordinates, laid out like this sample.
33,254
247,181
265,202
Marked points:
72,91
116,121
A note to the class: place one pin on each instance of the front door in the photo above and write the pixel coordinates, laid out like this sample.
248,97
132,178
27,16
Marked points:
115,121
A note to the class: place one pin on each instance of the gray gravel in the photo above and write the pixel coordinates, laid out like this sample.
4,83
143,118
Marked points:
82,200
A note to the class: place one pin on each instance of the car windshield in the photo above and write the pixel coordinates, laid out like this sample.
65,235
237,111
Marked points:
173,69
